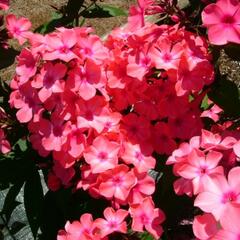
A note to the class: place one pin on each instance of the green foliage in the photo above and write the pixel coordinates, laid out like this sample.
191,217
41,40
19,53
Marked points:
146,236
10,202
33,199
103,11
204,104
226,95
18,169
74,13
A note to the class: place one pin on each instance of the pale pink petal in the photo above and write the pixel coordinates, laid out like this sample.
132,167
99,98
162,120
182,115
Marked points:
213,158
210,203
218,34
24,114
224,235
204,226
234,179
236,148
212,14
231,219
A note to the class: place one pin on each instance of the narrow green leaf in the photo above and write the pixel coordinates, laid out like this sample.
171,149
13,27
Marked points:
114,11
225,94
33,201
10,202
50,25
146,236
16,227
103,11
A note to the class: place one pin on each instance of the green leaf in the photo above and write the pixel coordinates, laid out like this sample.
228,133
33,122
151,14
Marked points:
33,201
16,227
114,11
204,104
50,26
10,202
22,144
103,11
225,94
146,236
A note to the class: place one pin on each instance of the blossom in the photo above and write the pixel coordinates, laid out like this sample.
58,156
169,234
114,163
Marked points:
199,168
114,221
102,155
60,45
27,101
222,20
220,193
117,183
26,67
146,216
133,154
84,229
50,80
18,28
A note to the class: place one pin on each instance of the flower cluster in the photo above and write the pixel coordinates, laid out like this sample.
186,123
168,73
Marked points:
102,109
203,165
143,215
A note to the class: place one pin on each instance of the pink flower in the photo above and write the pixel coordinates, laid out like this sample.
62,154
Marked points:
26,100
219,194
4,4
85,80
114,221
199,168
223,21
165,55
146,216
117,183
26,67
85,229
50,80
76,141
144,187
54,134
102,155
64,174
92,113
183,186
212,113
60,45
18,28
230,224
4,144
133,154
